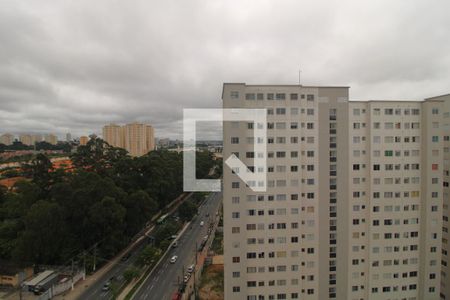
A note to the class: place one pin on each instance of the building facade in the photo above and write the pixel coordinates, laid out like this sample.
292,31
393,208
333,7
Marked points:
6,139
113,134
26,139
84,140
137,138
51,139
36,138
354,203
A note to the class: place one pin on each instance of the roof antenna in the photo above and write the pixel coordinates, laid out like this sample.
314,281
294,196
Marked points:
299,77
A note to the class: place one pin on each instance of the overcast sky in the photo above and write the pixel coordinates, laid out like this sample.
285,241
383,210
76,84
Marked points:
73,66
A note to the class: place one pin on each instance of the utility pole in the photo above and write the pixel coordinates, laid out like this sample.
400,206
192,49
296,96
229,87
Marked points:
71,273
95,254
299,77
84,264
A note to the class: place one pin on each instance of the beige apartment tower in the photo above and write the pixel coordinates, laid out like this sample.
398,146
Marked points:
137,138
84,140
357,192
26,139
6,139
51,139
113,135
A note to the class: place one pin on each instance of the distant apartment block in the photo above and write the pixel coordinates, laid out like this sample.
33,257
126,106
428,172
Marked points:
137,138
84,140
113,134
357,197
6,139
51,139
26,139
36,138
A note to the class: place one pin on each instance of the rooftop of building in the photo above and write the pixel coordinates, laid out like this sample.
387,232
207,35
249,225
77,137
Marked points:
429,99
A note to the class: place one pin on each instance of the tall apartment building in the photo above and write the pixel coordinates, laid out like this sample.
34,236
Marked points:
113,134
445,262
137,138
36,138
51,139
84,140
26,139
6,139
354,202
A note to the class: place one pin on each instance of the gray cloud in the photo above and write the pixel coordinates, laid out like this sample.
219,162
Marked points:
76,65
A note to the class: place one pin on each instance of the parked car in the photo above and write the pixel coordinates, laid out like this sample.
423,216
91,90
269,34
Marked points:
202,223
175,244
191,268
173,259
186,278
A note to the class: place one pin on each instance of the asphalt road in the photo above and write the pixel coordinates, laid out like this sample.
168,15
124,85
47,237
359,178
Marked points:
163,281
95,291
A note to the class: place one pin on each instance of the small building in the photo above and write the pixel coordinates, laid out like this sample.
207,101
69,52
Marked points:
12,275
35,281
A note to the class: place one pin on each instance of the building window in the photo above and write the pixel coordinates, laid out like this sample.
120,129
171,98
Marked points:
250,96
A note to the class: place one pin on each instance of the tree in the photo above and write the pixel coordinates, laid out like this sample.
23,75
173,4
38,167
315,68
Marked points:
187,210
148,255
164,232
140,209
105,221
53,215
130,273
3,191
44,234
40,170
97,156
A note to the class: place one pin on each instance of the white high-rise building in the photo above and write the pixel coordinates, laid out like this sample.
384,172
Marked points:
354,202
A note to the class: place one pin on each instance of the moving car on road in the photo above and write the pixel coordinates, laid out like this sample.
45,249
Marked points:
202,223
173,259
107,286
126,257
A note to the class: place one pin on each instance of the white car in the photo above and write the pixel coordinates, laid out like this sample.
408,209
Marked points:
173,259
191,268
202,223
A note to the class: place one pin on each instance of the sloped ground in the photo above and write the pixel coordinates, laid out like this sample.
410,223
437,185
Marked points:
211,285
